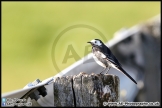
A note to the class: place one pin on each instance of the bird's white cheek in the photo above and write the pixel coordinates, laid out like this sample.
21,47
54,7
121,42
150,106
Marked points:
98,43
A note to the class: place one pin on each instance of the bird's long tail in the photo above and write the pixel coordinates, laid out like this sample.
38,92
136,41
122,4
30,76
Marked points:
122,70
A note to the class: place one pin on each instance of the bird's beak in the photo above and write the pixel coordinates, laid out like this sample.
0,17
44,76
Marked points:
89,42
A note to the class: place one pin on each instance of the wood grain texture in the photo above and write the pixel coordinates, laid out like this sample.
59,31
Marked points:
86,90
63,94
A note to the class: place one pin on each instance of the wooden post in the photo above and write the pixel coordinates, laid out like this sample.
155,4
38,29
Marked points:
85,90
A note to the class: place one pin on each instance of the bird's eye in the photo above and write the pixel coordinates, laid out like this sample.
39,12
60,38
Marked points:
95,41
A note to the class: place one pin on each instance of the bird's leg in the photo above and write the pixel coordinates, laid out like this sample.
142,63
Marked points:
102,70
108,70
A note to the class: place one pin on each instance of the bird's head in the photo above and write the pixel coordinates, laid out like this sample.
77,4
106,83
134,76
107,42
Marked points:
96,42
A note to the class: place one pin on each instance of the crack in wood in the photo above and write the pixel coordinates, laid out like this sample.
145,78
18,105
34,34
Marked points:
73,92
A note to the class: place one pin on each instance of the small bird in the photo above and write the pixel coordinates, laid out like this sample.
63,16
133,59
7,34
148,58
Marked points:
105,58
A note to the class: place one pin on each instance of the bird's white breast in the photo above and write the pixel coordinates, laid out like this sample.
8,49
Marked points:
98,62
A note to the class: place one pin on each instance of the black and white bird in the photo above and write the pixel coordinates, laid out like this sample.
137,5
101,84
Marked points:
105,58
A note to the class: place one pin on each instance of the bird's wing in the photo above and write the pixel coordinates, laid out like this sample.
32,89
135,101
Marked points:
109,55
113,60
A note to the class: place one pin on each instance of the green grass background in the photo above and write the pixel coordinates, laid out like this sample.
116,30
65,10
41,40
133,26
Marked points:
30,28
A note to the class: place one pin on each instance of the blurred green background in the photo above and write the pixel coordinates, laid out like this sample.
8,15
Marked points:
30,28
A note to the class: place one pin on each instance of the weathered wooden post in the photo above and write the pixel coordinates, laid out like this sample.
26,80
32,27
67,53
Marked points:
85,90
